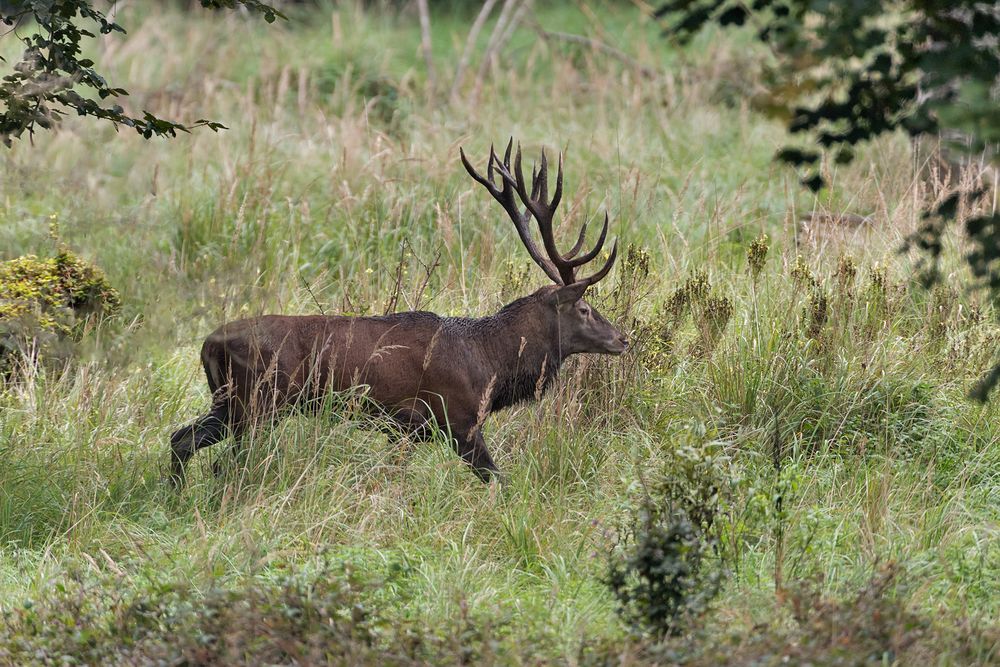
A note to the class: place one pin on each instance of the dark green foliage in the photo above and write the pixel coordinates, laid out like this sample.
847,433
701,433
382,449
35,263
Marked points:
45,301
292,619
847,72
313,614
52,78
662,584
665,571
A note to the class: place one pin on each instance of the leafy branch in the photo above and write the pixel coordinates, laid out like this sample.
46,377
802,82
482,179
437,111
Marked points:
52,79
844,73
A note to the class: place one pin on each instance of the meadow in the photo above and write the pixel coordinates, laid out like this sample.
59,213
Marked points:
794,380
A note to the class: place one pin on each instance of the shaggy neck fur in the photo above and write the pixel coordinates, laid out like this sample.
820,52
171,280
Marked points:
520,345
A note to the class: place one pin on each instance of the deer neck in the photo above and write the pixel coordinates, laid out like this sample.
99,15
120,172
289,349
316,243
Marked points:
522,353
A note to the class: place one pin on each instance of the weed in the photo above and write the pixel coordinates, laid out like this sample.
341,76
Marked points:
664,569
817,311
803,275
711,316
869,628
847,271
661,585
757,256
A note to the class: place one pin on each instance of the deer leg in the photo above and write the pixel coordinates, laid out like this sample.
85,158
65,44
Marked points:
473,451
413,423
264,407
234,451
204,432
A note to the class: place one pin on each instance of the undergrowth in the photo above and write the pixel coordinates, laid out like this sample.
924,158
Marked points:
791,415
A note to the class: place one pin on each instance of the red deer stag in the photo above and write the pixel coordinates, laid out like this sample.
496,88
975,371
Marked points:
420,369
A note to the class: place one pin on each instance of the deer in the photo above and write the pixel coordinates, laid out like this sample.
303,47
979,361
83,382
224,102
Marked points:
424,373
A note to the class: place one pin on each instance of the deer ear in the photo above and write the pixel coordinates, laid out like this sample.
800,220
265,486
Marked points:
569,294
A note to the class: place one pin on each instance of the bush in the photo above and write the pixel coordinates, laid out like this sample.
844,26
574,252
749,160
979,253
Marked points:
293,619
665,570
872,626
661,583
45,302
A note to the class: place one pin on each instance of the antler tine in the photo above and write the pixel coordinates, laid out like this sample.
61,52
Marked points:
557,195
579,243
517,180
543,180
490,163
590,280
476,175
543,210
543,216
583,259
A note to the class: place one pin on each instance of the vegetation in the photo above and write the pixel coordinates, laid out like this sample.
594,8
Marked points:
867,69
791,390
48,302
46,82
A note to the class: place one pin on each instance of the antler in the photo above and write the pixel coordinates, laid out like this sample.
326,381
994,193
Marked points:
560,268
506,199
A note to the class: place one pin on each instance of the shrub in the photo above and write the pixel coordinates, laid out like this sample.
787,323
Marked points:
661,583
665,571
44,302
871,626
318,613
292,619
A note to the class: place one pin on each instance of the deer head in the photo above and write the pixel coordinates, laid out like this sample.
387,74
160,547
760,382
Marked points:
580,327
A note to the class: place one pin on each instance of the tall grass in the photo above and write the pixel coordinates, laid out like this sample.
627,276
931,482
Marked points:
341,167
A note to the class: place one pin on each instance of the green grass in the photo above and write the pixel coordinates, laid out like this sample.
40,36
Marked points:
338,152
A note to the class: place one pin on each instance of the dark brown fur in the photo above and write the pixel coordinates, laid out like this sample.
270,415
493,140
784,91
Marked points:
420,368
